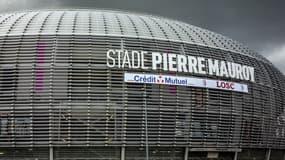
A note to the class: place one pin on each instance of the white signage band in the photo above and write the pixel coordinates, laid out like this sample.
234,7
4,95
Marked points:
184,81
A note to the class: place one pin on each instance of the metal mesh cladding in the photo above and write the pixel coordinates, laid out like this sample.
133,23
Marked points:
57,90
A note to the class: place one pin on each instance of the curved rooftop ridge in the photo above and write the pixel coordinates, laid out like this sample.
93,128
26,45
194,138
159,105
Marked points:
115,23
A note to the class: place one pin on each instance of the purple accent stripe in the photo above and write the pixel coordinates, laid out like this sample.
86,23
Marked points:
171,88
39,75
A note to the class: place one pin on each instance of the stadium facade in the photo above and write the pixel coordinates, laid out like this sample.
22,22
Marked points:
97,84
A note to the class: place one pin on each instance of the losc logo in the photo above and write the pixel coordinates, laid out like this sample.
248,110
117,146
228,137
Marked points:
226,85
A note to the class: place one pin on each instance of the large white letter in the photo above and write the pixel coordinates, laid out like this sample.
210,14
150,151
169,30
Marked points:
113,62
126,59
201,65
192,64
172,62
231,69
165,61
119,52
138,59
239,72
213,67
143,60
223,69
181,63
251,71
245,72
156,59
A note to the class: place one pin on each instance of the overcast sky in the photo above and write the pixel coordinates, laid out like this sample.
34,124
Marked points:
259,24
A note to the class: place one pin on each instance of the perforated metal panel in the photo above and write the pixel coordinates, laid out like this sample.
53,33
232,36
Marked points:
56,89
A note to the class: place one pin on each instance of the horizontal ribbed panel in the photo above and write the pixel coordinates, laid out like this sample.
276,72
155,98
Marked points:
56,90
101,22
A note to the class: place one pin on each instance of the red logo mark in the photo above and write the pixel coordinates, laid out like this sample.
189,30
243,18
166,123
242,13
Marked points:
160,79
227,85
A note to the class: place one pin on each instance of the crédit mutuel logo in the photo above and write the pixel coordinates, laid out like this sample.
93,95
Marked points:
156,79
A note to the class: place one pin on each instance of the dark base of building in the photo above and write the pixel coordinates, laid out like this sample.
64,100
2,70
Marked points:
137,153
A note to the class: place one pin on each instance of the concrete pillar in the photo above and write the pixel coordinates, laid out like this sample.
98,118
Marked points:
236,155
186,153
123,152
268,152
50,153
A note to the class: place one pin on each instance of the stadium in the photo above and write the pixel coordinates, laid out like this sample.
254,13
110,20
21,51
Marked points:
102,84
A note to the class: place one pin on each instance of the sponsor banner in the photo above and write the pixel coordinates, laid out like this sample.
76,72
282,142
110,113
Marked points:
184,81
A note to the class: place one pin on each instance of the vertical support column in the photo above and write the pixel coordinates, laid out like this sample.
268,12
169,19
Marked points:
268,152
186,153
283,155
236,155
146,125
50,153
123,152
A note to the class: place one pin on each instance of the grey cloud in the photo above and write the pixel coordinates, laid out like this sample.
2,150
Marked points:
276,54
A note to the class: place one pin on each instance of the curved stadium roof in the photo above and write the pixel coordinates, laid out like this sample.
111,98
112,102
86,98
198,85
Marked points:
114,23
